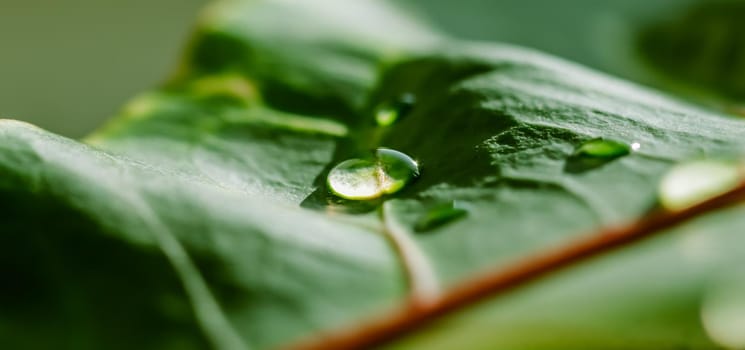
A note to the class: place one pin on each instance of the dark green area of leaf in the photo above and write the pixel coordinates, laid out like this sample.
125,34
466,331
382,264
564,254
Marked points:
701,47
64,285
200,214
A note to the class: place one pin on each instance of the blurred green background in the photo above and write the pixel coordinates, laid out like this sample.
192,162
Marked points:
68,65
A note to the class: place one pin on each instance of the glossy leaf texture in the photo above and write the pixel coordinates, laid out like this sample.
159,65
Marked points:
199,217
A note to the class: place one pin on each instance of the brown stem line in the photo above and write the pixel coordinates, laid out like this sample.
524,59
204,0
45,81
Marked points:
414,316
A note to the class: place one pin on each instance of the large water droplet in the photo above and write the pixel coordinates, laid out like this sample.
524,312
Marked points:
597,152
386,172
723,314
390,112
690,183
440,215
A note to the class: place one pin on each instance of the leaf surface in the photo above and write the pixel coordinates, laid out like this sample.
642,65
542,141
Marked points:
200,216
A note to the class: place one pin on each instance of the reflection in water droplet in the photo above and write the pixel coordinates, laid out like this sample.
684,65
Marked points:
689,183
391,112
355,179
440,215
597,152
388,171
723,314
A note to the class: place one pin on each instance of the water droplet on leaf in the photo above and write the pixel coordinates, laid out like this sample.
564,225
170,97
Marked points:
440,215
228,87
391,112
386,172
355,179
601,148
690,183
597,152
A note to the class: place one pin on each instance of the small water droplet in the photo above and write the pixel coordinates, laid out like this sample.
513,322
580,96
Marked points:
227,87
391,112
440,215
601,148
723,314
386,172
690,183
597,152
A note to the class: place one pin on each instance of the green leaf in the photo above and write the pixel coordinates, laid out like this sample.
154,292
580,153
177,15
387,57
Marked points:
200,217
655,295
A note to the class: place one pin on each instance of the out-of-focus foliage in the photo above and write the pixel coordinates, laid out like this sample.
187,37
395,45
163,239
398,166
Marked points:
703,47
